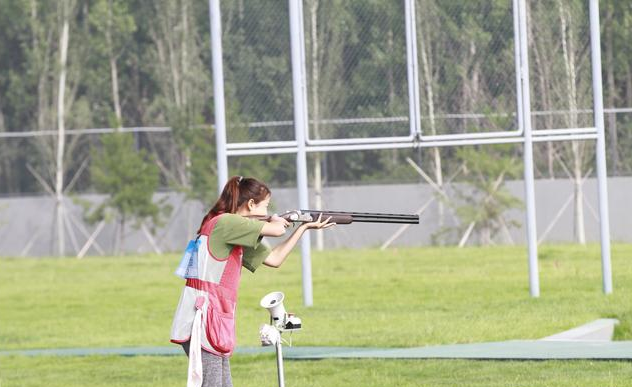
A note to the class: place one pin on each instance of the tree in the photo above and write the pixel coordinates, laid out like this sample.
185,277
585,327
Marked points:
113,26
258,84
429,81
564,73
616,34
330,26
482,205
129,178
183,79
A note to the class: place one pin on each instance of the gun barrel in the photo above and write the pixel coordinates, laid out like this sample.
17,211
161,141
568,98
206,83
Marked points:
364,217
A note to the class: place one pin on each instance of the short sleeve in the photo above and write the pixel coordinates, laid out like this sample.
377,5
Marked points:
235,229
254,256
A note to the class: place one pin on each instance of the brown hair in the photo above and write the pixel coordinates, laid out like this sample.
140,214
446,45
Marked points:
237,191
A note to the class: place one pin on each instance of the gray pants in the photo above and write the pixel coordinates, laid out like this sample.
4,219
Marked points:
215,369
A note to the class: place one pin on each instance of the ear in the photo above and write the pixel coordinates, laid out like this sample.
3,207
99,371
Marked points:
251,204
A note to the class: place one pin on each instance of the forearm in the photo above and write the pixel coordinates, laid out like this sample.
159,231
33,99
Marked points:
283,249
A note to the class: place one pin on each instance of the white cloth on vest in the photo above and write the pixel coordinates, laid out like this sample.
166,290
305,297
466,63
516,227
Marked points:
195,374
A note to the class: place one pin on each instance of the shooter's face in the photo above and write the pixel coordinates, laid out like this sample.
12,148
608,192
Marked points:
261,208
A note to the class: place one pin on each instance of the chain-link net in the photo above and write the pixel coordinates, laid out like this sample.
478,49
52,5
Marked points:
619,139
466,66
356,69
29,163
561,84
257,71
560,66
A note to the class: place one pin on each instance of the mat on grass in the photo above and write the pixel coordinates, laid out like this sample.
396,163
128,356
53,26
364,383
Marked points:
504,350
589,341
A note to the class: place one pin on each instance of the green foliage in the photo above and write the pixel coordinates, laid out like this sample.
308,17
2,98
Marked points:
161,49
203,170
112,26
114,16
483,201
129,178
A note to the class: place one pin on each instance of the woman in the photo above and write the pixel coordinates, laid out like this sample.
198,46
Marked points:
229,238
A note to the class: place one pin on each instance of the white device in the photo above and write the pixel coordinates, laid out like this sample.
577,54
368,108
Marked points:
273,302
279,318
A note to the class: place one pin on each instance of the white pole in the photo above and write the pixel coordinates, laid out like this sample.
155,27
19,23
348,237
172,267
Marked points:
517,48
218,93
413,69
529,180
602,172
279,353
299,92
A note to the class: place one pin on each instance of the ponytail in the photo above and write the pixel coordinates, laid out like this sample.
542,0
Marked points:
237,191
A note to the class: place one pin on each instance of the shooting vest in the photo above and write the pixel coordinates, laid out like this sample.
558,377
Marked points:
214,293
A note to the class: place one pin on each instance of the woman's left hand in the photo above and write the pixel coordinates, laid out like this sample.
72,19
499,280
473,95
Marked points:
319,223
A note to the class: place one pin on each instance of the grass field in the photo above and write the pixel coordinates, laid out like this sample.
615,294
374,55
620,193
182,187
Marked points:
396,298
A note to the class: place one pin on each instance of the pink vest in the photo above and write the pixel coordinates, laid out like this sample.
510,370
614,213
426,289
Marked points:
215,292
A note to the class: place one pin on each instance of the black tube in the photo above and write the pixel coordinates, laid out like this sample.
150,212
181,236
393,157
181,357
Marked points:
369,217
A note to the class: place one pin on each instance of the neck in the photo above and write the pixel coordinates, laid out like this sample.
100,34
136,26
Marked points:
243,212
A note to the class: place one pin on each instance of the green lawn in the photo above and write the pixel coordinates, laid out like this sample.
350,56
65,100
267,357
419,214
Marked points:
396,298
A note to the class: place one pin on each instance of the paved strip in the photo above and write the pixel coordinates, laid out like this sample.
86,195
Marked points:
505,350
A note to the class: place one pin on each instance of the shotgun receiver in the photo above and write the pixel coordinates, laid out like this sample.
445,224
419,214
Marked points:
341,217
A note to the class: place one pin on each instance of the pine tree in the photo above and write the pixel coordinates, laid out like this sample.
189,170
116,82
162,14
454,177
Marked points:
129,178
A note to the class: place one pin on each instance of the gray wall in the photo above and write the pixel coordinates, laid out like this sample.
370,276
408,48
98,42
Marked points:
26,223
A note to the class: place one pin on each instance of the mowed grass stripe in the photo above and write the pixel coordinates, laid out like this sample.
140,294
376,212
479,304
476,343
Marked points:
363,298
395,298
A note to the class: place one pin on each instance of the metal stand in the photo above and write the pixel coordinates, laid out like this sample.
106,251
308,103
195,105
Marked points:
279,352
280,321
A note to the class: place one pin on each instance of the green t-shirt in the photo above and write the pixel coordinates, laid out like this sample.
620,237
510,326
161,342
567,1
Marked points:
233,229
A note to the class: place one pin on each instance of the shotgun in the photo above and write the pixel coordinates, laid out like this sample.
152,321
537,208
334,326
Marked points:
342,217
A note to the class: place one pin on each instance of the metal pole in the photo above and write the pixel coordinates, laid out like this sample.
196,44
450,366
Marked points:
602,172
279,353
529,180
517,47
413,69
299,92
423,144
218,93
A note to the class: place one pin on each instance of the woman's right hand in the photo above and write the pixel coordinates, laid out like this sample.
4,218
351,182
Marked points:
275,227
277,219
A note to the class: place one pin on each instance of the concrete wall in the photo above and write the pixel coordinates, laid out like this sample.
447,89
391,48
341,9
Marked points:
27,223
